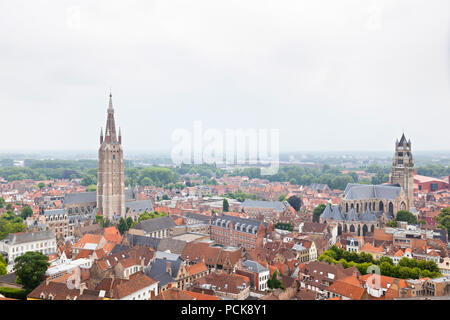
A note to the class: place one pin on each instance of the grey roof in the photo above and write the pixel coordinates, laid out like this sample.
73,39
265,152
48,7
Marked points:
403,139
54,212
367,216
200,217
276,205
355,191
254,266
332,213
139,206
244,225
327,213
157,270
337,213
18,238
80,197
143,241
172,245
156,224
351,216
119,248
86,197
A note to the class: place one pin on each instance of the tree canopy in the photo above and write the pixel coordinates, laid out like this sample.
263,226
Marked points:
318,211
295,202
443,219
30,269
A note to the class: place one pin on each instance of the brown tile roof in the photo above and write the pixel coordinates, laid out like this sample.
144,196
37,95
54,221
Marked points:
60,291
196,268
225,282
128,287
174,294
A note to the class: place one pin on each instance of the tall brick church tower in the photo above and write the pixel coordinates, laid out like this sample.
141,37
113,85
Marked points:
110,182
402,171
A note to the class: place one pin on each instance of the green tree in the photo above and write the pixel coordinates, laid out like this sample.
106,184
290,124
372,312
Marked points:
443,219
225,205
122,226
407,216
295,202
318,211
30,269
41,185
26,212
274,282
2,265
88,180
2,202
282,197
165,197
391,223
129,223
91,188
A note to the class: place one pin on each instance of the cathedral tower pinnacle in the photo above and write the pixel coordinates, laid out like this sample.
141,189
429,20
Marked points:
402,171
110,182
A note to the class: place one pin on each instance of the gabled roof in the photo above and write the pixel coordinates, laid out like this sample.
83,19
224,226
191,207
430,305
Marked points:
137,283
367,216
156,224
351,216
355,191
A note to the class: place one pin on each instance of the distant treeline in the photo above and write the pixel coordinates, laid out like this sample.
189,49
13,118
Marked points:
206,173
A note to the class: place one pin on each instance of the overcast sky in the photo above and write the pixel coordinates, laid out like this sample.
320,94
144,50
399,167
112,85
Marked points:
330,75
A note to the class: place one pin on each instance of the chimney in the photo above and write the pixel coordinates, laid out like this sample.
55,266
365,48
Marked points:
47,281
168,267
83,287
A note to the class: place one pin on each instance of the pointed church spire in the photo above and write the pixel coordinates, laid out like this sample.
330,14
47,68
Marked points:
403,139
120,136
110,130
101,135
110,103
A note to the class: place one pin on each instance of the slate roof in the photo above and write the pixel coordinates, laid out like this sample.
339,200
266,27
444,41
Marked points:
54,212
172,245
157,269
25,237
367,216
355,191
156,224
276,205
80,197
337,213
254,266
143,241
201,217
351,216
248,225
139,206
334,213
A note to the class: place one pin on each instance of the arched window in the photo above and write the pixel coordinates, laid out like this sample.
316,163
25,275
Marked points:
381,206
